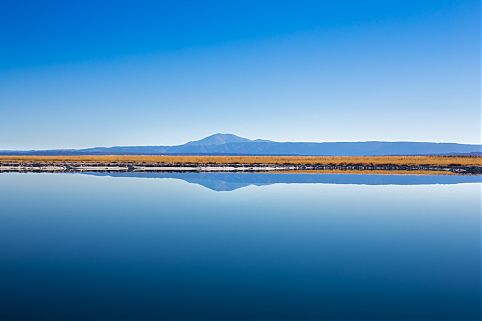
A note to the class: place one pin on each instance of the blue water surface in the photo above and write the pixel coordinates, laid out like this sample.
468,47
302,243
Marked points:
298,247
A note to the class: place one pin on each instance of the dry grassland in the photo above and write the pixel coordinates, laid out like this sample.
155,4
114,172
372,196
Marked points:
255,160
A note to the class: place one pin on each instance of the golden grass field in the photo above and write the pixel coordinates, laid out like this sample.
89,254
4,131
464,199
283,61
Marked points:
250,160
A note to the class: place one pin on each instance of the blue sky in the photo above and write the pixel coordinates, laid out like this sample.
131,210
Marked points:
101,73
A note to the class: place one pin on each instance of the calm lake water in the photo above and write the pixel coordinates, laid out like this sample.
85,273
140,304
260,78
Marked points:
195,246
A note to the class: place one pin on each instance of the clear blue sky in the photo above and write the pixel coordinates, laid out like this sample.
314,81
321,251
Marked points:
102,73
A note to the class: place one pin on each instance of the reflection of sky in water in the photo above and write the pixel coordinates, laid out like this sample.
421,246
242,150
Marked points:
85,247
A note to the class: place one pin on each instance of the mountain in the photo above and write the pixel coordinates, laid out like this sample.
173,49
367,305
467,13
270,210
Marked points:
218,139
228,144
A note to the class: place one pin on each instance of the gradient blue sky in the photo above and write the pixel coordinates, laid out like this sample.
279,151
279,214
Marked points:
102,73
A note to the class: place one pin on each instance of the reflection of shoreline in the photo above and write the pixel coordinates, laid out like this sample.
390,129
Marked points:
233,181
369,172
270,170
140,169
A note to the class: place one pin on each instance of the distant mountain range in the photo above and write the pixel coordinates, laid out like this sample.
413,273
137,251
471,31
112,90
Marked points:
229,144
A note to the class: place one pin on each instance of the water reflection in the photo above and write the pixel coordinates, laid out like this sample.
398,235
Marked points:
82,247
234,181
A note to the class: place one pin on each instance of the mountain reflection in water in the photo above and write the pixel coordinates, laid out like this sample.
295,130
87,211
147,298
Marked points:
233,181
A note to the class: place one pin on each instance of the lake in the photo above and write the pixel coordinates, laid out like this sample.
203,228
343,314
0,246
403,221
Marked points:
233,246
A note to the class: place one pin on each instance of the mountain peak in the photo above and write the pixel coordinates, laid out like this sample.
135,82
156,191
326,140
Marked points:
219,139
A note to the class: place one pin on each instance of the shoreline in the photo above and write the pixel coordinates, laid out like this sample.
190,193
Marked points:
444,165
229,168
